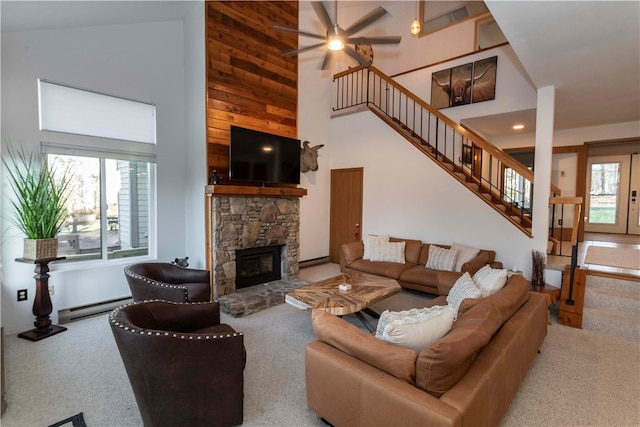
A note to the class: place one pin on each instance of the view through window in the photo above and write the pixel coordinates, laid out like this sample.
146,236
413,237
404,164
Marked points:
107,210
605,178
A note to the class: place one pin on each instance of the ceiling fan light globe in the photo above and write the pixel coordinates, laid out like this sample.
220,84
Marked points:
415,27
335,43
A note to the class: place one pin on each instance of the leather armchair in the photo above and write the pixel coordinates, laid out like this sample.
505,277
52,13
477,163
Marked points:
169,282
185,368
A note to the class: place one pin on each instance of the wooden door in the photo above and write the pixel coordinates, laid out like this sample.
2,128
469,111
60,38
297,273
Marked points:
346,208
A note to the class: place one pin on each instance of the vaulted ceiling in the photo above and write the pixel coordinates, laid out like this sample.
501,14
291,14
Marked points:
588,50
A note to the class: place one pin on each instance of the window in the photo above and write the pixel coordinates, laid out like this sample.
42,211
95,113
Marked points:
67,109
517,190
110,211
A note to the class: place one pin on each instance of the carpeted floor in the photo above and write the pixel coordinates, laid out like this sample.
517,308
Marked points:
580,377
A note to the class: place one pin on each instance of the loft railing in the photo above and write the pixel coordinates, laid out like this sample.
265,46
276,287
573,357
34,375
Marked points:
455,147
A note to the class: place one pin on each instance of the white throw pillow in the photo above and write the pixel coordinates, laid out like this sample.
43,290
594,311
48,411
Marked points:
441,258
463,288
417,328
390,252
372,244
389,316
464,254
490,280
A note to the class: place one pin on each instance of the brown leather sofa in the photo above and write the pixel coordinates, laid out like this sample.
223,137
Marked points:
412,274
168,282
467,378
184,366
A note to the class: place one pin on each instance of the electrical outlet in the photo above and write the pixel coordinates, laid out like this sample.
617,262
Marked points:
51,290
22,295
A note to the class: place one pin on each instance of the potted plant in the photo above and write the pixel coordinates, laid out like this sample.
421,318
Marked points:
38,208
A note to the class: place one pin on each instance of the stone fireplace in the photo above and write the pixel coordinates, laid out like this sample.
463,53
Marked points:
244,218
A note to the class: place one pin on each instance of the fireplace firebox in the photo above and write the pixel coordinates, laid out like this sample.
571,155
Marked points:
257,265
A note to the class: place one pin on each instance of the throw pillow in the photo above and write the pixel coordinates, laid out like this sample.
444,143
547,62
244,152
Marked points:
420,329
390,316
463,288
441,258
490,280
464,254
372,245
390,252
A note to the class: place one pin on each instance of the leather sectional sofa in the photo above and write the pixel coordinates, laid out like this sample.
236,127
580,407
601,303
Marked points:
467,378
412,274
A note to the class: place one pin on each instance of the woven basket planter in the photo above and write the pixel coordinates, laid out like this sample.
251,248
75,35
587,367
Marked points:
40,248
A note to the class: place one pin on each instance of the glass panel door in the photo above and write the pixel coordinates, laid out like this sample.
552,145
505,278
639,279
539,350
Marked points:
608,194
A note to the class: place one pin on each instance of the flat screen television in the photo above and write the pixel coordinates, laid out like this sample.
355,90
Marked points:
264,158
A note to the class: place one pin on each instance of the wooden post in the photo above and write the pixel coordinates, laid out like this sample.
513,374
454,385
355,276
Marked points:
571,315
42,306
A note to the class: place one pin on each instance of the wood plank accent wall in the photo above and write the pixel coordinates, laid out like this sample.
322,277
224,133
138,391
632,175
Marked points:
249,83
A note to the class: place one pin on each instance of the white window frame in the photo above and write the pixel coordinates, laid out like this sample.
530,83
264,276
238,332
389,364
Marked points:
73,150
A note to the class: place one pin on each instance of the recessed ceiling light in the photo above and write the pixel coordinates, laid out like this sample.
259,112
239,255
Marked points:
518,127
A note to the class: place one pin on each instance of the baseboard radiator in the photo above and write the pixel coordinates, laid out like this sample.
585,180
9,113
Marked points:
82,312
312,262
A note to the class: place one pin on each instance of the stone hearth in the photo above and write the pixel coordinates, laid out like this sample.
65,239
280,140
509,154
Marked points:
256,298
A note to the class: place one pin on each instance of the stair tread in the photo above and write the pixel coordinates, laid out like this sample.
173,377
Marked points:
614,314
612,293
620,325
600,282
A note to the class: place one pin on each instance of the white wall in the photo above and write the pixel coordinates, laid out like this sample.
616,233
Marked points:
144,62
196,136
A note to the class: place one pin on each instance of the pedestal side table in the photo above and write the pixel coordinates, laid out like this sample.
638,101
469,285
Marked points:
42,303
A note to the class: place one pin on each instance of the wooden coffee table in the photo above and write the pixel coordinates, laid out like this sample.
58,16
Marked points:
366,289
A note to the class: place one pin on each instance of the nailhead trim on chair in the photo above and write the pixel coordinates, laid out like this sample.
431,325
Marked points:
156,283
143,331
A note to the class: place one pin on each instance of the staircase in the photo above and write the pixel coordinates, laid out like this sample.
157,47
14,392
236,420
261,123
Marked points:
612,306
492,175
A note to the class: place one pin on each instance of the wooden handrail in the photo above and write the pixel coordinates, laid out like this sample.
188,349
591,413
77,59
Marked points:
461,129
444,139
567,200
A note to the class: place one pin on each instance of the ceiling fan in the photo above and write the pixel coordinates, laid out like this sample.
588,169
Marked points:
337,38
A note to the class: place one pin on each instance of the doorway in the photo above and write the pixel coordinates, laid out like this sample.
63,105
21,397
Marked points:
345,208
611,202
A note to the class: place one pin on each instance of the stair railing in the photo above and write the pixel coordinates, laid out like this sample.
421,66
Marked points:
576,202
453,146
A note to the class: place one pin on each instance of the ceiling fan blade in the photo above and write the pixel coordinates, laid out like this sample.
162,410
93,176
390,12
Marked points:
352,53
302,49
366,20
374,40
323,16
302,33
325,61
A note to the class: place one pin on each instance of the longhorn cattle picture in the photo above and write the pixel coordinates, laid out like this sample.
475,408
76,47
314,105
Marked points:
464,84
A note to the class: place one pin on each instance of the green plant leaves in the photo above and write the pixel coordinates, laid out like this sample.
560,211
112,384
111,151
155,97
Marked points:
40,193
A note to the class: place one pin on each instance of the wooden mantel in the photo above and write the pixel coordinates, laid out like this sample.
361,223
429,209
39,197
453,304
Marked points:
246,190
